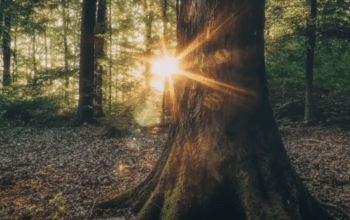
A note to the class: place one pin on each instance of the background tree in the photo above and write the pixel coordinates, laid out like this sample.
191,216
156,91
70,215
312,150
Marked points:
86,75
7,43
99,52
311,27
65,18
224,156
149,17
166,108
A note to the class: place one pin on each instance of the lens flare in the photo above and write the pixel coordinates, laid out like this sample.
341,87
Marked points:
166,67
158,85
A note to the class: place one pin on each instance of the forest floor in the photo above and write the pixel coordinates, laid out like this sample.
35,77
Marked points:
62,172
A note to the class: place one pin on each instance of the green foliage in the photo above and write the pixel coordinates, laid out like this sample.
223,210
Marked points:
20,111
61,209
33,210
285,44
3,105
330,65
57,198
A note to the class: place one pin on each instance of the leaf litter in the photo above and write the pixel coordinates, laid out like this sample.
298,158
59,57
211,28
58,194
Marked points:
64,172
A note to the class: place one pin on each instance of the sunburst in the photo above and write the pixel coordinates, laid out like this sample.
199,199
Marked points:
167,66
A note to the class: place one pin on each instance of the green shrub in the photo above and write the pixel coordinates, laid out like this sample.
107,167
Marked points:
22,111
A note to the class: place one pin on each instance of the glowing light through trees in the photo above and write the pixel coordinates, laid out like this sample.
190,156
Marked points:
166,67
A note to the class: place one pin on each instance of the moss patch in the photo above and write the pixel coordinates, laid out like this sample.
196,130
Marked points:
257,208
149,202
170,205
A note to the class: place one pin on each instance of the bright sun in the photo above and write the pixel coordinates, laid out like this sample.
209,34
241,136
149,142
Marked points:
165,67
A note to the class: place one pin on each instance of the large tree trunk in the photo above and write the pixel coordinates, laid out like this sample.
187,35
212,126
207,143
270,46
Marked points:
224,157
99,46
311,30
86,74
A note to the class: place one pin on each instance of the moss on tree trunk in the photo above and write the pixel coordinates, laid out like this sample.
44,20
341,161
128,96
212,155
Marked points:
224,157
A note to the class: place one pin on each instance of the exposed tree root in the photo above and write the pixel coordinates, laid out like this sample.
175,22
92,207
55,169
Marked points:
137,197
332,206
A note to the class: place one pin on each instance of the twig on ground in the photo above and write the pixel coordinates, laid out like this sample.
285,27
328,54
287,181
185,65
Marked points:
313,140
92,209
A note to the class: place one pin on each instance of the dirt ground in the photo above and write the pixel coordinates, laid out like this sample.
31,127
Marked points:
63,172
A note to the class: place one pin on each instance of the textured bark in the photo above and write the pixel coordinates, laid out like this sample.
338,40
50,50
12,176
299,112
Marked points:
166,104
311,30
7,49
86,74
99,44
224,158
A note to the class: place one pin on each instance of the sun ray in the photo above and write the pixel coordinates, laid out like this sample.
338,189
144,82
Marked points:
207,33
228,89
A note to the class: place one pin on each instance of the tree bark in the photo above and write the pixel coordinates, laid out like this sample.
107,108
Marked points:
224,157
99,47
7,49
311,30
86,74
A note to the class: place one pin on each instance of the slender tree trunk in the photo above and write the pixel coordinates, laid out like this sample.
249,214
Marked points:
117,81
1,17
51,57
14,65
99,52
46,50
224,157
65,45
86,75
7,49
110,58
148,42
33,57
311,30
166,93
28,62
